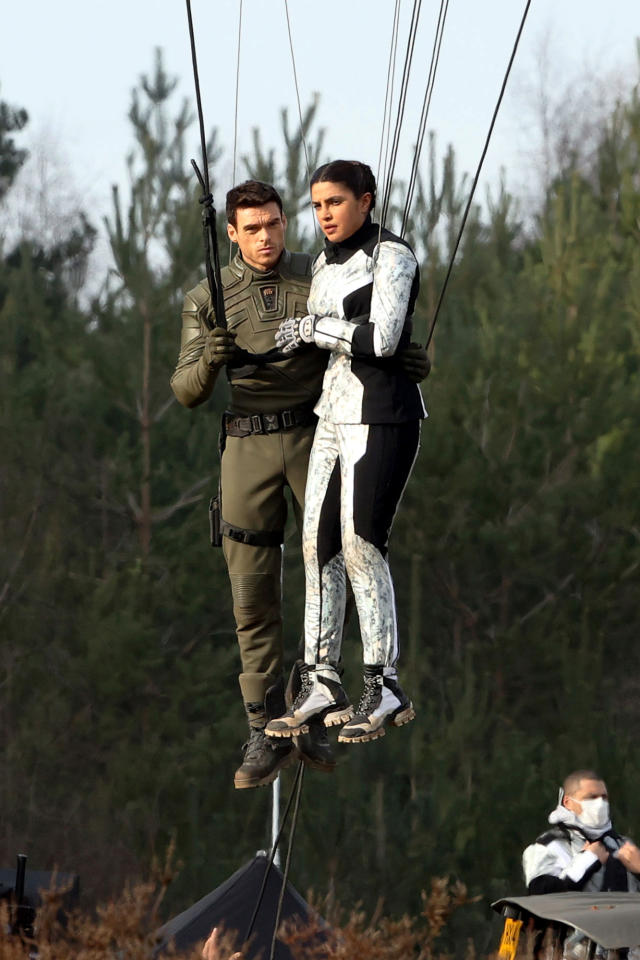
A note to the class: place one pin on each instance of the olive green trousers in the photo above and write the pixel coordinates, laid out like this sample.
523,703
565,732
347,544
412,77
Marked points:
256,472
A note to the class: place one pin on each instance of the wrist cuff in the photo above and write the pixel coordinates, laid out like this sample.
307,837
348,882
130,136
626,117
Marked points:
307,327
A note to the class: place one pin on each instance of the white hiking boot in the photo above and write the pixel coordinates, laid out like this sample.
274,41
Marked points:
321,695
383,701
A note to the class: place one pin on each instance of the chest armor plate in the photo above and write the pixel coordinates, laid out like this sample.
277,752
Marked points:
254,310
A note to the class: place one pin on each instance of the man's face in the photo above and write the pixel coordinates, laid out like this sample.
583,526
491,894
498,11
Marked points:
259,232
588,790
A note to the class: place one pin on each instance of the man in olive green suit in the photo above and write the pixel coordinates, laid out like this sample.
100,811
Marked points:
268,431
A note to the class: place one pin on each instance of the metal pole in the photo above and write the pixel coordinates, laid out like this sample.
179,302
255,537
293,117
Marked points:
21,870
275,819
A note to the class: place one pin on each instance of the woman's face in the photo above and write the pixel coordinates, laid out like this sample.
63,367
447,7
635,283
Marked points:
340,213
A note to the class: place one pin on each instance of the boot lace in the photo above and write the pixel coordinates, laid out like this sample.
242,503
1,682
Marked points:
370,695
257,746
305,689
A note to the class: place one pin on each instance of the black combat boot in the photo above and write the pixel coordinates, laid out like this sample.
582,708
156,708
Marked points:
314,747
263,757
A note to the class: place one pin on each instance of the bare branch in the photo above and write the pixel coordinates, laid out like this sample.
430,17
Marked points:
4,593
550,597
159,414
186,498
134,506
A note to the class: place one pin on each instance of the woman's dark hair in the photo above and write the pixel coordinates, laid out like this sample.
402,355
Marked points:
251,193
357,176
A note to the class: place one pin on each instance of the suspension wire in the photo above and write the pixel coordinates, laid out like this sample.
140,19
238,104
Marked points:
235,117
388,102
402,99
388,95
294,788
428,93
210,239
302,136
477,176
415,16
194,60
285,876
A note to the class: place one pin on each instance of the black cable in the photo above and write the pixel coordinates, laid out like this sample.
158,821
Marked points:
477,176
388,96
212,255
302,133
196,78
273,854
285,875
413,28
381,173
402,99
426,103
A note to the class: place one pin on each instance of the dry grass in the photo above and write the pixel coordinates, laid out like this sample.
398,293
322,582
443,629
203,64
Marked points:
121,929
124,929
378,937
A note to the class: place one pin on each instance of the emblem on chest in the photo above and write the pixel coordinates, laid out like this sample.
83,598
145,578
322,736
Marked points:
269,294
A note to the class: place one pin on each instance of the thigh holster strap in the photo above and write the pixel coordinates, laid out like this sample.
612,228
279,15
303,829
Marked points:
253,538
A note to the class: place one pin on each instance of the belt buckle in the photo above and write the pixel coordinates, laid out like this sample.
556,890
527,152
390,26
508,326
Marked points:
288,419
256,423
271,424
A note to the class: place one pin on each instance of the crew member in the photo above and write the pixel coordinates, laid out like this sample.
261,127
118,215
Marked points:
581,850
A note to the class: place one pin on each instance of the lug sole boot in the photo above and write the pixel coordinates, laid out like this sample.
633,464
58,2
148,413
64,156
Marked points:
383,701
314,747
321,694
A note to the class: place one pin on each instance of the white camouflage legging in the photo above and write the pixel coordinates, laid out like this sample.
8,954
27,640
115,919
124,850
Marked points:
357,474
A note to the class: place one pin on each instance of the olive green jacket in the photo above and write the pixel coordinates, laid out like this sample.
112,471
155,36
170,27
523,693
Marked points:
255,303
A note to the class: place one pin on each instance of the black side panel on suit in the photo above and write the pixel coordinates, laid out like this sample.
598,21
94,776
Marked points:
380,478
329,534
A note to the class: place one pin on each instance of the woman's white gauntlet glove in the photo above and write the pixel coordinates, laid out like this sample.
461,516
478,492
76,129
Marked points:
294,331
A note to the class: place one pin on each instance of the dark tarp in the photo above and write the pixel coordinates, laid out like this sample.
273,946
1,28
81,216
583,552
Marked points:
231,905
37,880
610,919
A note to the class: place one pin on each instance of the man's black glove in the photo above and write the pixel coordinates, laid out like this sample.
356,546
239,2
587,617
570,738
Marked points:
219,348
415,362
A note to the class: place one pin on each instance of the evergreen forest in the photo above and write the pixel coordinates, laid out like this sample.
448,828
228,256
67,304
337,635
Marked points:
515,553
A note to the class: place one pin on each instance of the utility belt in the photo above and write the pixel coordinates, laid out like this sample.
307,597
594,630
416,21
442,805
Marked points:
255,424
236,425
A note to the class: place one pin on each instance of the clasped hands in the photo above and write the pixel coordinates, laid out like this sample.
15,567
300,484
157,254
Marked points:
220,348
295,331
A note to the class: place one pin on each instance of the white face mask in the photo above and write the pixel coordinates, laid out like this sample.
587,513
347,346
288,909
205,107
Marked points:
595,813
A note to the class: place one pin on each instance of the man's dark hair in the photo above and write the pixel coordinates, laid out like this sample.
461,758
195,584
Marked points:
573,780
251,193
358,177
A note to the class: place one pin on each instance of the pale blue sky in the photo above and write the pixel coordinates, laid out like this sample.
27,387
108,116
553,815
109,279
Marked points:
72,64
